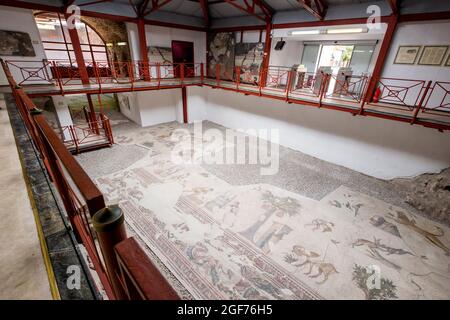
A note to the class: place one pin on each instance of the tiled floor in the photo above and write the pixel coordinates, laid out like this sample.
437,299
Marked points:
23,274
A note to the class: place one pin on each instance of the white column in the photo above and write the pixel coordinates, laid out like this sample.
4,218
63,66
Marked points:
62,113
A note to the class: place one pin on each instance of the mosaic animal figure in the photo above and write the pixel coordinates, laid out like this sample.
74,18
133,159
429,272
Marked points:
325,226
322,268
381,223
431,237
304,253
373,247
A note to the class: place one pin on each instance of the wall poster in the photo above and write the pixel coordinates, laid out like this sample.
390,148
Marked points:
162,55
221,52
433,55
15,43
249,57
407,54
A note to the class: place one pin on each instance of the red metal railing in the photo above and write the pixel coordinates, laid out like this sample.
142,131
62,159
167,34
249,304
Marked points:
277,77
31,72
89,135
124,274
348,88
438,99
402,94
418,99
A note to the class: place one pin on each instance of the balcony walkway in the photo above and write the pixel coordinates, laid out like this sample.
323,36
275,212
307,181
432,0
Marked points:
23,273
410,101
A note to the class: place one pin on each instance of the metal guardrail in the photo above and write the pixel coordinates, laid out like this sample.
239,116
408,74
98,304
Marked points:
406,100
98,227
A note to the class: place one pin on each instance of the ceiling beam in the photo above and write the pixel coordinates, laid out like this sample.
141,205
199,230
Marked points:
142,8
92,2
174,25
135,9
268,10
316,7
156,5
68,3
394,6
205,10
249,8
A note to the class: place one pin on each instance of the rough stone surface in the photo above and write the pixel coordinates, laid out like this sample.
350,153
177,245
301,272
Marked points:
428,193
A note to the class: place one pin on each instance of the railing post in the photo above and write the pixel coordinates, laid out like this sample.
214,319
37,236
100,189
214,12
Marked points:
238,77
422,99
92,117
45,64
182,72
74,138
372,86
131,74
291,74
158,73
97,75
107,129
202,72
364,94
218,74
324,87
109,225
58,77
262,75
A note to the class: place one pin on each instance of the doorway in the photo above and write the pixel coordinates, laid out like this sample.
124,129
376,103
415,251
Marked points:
183,52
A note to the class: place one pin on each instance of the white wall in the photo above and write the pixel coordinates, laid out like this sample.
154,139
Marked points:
197,108
290,55
130,109
429,33
158,106
62,114
15,19
377,147
148,108
163,36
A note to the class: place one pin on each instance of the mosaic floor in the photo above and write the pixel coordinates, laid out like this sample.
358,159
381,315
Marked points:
260,241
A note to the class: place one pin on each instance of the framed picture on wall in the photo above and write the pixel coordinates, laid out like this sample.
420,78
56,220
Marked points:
433,55
407,54
16,43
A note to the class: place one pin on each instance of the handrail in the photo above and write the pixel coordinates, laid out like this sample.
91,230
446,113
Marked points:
108,233
396,97
147,285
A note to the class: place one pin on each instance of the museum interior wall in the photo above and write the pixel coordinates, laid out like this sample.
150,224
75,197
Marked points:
25,33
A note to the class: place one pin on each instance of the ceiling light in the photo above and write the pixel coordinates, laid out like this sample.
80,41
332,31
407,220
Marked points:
304,32
121,43
352,30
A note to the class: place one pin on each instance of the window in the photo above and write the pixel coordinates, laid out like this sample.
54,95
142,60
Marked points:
357,56
58,46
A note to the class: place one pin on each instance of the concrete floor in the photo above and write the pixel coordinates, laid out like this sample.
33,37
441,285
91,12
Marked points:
23,273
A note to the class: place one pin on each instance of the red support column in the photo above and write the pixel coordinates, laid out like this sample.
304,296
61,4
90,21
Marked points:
184,98
266,58
376,74
143,48
78,53
92,116
202,71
